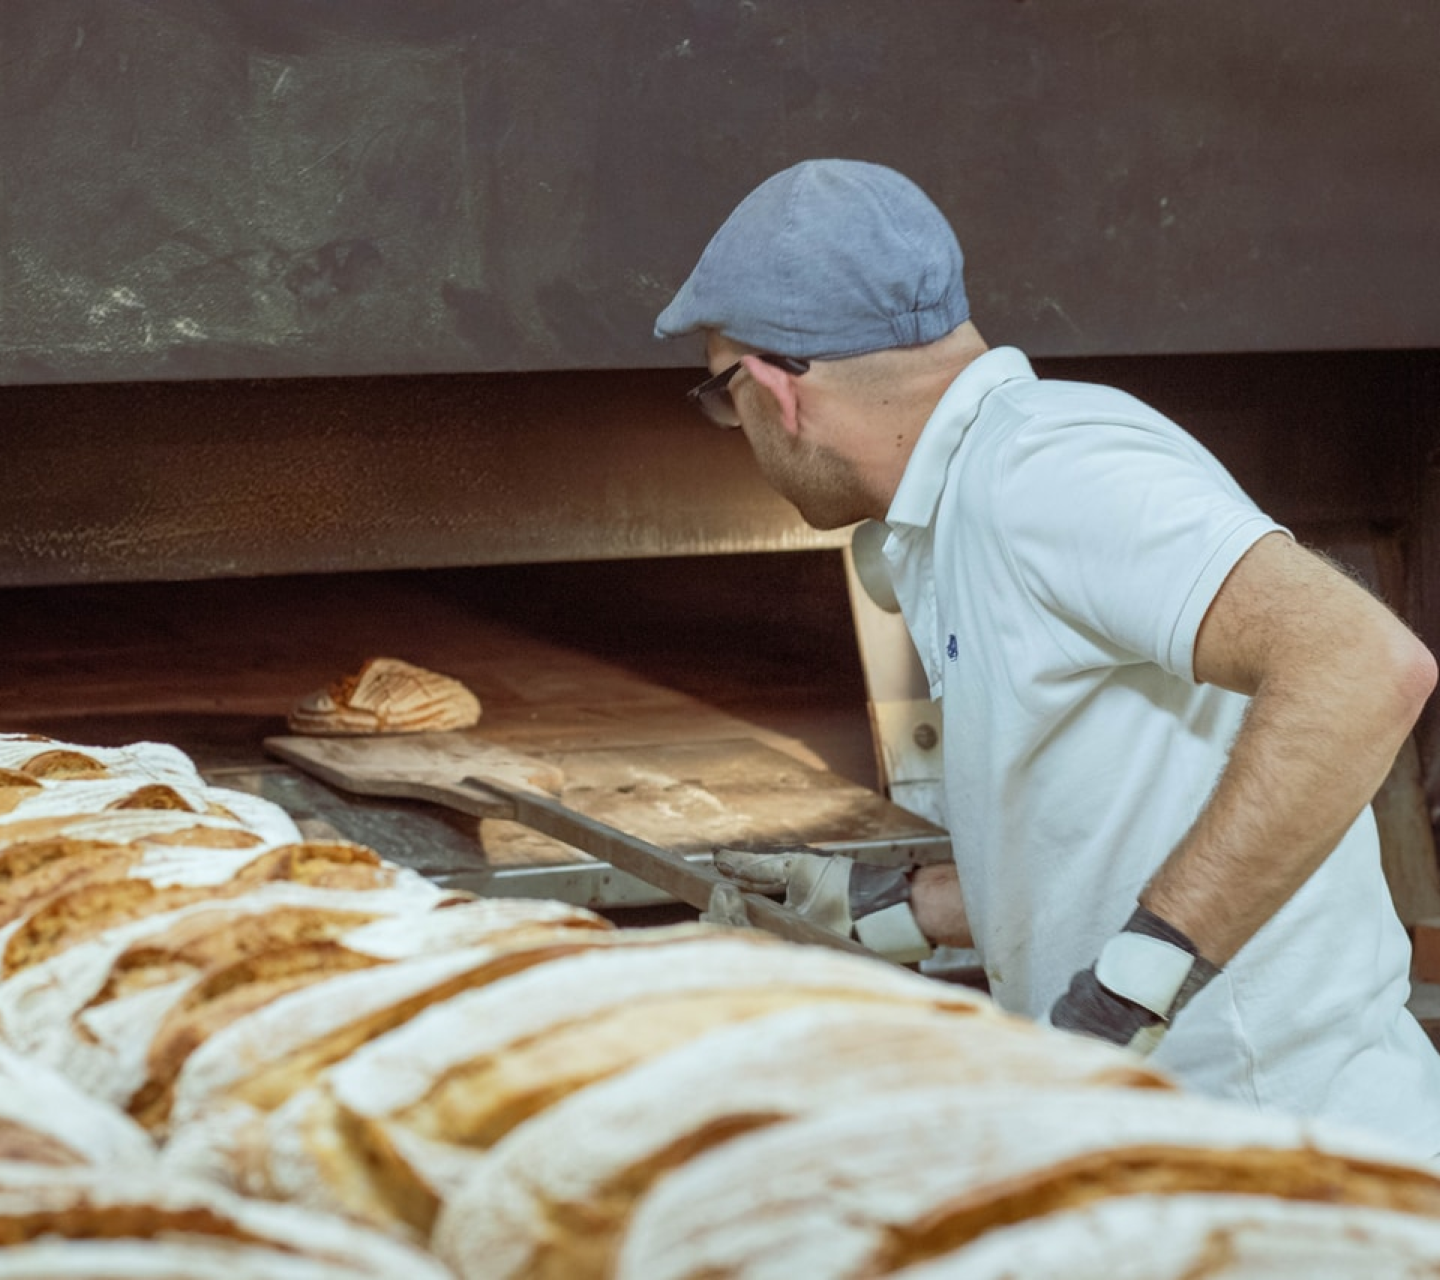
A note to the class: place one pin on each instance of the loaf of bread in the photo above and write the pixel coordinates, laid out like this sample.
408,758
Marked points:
269,1055
15,788
164,1257
95,1008
526,1090
386,1133
1198,1237
45,1119
34,871
101,891
119,809
143,826
386,696
89,1222
53,760
227,993
855,1192
552,1200
257,1064
41,757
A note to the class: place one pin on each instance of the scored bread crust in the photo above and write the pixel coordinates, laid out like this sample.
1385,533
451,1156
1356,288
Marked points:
914,1175
397,1116
15,787
33,872
43,1112
551,1200
265,1057
258,1063
686,964
44,880
44,759
92,796
223,994
164,1259
144,761
38,1003
386,696
1199,1237
116,892
127,808
140,826
71,917
143,1205
108,1043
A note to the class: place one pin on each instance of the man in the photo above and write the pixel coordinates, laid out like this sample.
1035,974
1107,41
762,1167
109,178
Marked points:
1164,719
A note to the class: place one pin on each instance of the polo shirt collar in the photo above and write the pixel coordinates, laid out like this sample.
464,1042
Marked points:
920,486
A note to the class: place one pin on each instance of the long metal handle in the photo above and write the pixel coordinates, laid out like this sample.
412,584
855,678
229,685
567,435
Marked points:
662,868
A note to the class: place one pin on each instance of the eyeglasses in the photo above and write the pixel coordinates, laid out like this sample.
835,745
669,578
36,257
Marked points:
713,398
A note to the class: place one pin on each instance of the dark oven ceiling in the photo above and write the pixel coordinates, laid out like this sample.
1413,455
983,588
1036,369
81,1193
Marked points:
199,189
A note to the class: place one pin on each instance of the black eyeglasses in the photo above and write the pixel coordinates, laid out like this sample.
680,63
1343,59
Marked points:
713,398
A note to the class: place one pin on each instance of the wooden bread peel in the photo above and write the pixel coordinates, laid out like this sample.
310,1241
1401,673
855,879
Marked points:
473,776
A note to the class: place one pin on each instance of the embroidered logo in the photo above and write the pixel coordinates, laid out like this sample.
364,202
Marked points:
952,648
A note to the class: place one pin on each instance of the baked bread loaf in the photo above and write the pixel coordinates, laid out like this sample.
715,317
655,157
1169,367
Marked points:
552,1199
46,786
84,1222
93,1009
537,1093
116,889
1190,1237
390,1130
41,757
257,1063
264,1058
107,1042
34,871
386,696
226,993
229,819
49,758
15,787
45,1119
915,1175
164,1258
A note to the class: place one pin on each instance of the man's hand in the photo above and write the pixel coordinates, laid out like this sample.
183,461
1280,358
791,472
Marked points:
1144,977
853,899
814,885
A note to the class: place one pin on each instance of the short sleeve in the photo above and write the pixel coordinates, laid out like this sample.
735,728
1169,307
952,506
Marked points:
1122,530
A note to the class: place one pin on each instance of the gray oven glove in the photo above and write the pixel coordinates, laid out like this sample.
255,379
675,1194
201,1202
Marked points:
1145,975
854,899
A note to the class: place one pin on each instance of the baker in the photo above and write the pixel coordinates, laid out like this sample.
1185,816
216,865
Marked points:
1164,719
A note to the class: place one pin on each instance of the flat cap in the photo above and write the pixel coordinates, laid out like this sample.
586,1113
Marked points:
826,259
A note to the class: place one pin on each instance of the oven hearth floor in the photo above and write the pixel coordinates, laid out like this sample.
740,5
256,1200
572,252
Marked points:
692,703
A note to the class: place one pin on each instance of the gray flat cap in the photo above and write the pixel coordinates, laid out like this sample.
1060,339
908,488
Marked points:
826,259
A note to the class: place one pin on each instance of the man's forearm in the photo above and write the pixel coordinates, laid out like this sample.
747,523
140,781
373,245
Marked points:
939,906
1311,755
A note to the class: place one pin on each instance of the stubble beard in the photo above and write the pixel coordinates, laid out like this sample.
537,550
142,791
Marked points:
822,485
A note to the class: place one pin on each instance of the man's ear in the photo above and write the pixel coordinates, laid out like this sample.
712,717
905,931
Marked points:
779,384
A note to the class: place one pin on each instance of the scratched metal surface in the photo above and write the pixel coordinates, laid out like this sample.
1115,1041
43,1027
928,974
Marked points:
245,188
194,479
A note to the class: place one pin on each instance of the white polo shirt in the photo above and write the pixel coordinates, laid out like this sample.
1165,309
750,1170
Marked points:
1054,547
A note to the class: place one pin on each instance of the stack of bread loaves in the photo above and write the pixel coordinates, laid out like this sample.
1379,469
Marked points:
230,1048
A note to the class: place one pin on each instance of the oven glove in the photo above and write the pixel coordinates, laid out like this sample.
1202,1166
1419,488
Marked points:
854,899
1145,975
